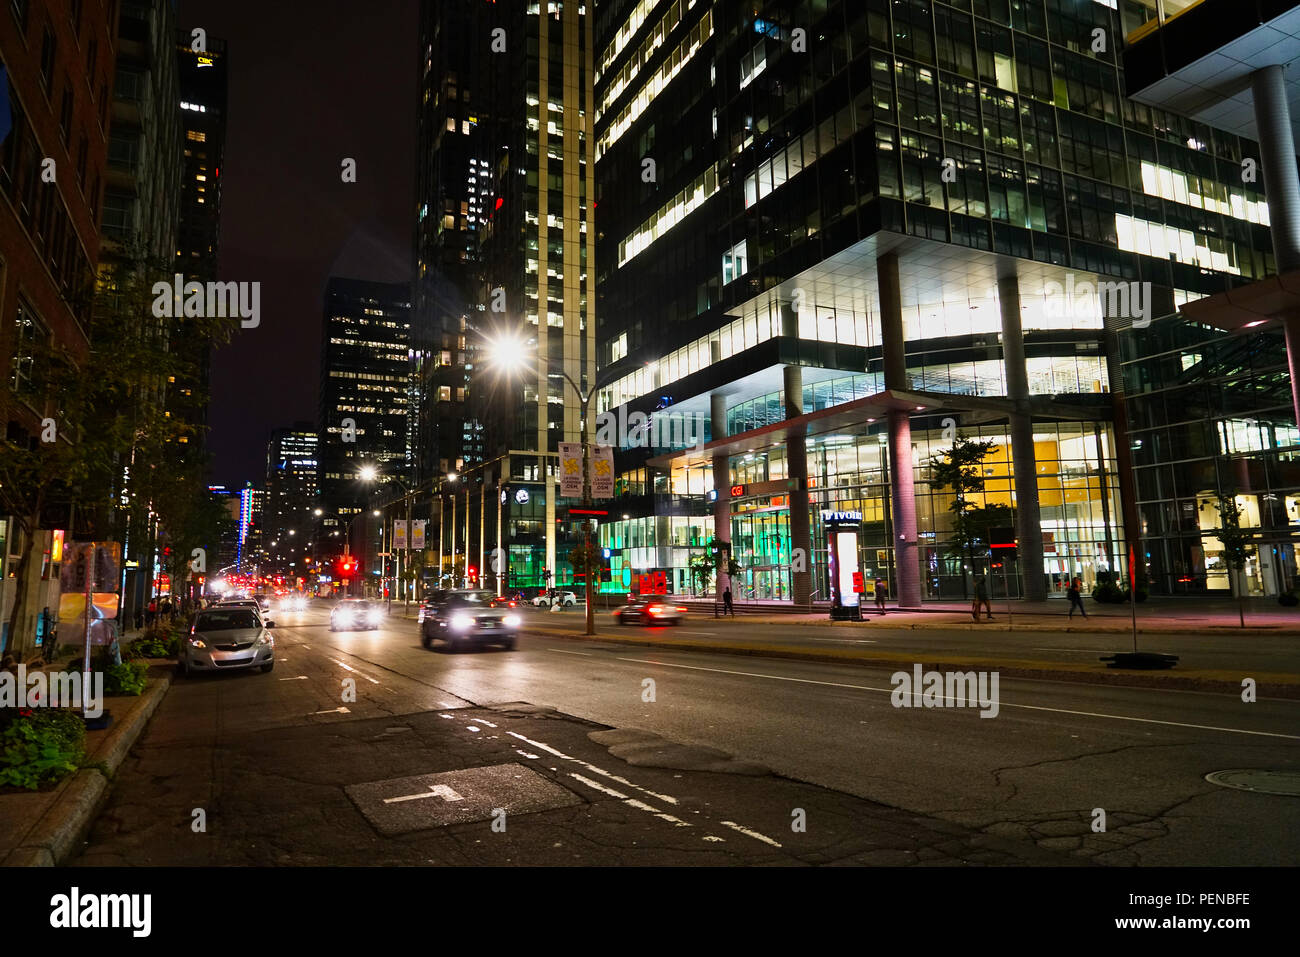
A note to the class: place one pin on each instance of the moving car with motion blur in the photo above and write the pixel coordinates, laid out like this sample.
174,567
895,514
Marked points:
561,598
466,618
356,614
293,603
227,638
650,610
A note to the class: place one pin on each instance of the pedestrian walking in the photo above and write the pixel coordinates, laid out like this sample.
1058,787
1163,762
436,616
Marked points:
881,588
727,608
152,613
981,599
1075,594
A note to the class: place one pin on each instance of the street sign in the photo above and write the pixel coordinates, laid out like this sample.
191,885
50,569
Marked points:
571,469
602,471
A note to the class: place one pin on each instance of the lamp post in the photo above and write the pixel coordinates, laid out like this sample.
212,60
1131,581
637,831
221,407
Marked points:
507,353
369,473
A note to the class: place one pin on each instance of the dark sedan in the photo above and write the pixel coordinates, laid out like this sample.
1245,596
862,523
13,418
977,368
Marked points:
467,618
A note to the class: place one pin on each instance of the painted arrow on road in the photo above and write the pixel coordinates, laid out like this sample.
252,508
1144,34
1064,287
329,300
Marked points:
435,790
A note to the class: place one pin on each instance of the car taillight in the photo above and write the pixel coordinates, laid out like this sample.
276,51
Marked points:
681,608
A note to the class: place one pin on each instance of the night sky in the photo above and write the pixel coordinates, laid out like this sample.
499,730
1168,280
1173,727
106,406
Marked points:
310,84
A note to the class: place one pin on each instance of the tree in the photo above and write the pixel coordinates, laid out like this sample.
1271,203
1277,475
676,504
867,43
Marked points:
589,561
1236,546
961,469
105,441
701,570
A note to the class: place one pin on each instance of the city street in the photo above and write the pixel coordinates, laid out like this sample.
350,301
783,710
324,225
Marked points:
716,759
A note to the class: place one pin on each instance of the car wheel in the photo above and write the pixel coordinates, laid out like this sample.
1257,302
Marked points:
182,669
645,620
332,628
508,644
266,668
426,639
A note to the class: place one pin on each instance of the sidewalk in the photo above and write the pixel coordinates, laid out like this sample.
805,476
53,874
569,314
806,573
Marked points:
1263,616
46,828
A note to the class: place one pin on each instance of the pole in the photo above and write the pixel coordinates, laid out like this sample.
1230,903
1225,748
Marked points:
586,501
1132,595
406,606
499,558
85,670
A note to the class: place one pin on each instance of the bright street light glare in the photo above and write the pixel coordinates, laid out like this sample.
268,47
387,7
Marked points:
368,473
507,353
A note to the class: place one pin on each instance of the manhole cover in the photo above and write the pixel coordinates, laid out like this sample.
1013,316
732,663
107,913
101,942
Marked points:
456,797
1259,780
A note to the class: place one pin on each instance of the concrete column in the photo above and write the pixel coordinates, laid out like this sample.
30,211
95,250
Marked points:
1024,463
721,485
901,480
1282,189
796,458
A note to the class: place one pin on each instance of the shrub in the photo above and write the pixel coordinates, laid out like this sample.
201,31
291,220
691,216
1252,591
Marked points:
39,746
153,645
1108,593
126,679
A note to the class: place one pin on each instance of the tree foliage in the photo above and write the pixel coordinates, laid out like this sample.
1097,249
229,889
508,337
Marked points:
106,441
961,469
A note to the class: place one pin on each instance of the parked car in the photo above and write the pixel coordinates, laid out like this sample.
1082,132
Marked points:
466,617
650,610
562,598
227,638
356,614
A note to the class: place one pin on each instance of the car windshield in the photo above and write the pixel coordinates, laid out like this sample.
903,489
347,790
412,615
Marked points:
226,618
471,598
356,606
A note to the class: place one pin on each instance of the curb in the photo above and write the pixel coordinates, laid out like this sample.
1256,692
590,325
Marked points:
64,825
1050,671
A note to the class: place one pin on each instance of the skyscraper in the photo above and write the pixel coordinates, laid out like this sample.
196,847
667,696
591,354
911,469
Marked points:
505,133
364,388
845,234
292,488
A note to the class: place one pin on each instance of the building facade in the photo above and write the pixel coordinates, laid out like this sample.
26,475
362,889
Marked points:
841,235
507,109
364,392
57,59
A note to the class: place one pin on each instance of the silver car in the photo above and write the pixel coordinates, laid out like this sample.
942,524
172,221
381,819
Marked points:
224,639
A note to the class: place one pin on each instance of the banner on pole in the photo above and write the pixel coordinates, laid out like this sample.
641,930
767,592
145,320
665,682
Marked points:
571,469
602,471
417,534
399,534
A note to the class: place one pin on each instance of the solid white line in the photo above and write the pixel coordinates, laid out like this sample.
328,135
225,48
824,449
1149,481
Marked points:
852,641
558,651
334,711
1003,704
667,798
299,678
748,833
348,667
1091,651
708,634
598,787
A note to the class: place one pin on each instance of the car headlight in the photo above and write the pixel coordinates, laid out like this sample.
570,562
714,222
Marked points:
265,638
511,621
197,643
461,622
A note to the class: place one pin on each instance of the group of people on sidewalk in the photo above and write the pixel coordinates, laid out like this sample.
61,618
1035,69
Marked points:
881,589
981,599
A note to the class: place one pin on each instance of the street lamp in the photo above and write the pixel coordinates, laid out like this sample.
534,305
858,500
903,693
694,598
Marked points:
369,473
508,354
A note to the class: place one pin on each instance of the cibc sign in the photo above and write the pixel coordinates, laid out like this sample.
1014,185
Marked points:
842,529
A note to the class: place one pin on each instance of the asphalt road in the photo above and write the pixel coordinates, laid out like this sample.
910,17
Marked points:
285,768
